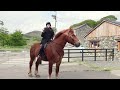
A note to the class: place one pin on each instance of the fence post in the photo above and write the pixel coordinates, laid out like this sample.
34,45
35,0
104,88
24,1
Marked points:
112,54
95,54
82,54
106,54
68,55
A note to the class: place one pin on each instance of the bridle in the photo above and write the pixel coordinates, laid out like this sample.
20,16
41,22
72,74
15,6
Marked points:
66,38
69,36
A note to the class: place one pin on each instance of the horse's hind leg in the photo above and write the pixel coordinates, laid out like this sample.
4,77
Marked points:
36,66
30,66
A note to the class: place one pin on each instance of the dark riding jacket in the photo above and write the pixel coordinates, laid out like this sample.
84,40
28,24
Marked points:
47,35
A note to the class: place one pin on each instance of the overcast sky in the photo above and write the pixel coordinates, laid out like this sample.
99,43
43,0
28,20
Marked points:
28,21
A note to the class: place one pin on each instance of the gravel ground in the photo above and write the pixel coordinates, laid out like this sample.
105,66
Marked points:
67,71
86,69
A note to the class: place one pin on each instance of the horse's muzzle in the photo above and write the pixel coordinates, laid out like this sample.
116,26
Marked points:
77,44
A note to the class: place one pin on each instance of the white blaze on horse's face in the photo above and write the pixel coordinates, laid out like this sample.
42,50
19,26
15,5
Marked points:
72,38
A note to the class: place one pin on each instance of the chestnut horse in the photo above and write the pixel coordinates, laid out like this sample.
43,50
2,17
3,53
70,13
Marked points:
54,51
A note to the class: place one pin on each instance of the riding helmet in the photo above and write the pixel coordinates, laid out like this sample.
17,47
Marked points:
48,23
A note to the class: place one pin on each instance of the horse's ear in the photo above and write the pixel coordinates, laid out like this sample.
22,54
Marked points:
70,28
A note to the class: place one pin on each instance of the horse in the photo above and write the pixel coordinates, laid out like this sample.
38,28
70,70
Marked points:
54,51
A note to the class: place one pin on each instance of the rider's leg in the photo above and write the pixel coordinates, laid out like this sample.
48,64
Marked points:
41,50
42,47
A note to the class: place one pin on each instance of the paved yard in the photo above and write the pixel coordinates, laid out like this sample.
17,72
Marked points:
67,71
15,66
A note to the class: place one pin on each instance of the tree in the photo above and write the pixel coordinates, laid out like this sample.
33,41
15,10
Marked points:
3,30
17,39
1,22
109,17
7,41
89,22
93,23
55,29
3,36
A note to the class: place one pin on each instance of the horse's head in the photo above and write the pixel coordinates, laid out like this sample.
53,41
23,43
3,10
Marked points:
72,38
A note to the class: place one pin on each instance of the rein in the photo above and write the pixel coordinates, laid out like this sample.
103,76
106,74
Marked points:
61,44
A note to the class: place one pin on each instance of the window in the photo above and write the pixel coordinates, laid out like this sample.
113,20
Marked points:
94,44
118,45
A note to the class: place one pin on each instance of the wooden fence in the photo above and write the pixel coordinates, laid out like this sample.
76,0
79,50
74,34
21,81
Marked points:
82,53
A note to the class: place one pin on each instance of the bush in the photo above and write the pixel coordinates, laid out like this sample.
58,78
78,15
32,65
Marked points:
17,39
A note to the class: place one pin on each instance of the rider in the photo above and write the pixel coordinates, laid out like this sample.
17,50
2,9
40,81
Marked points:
47,35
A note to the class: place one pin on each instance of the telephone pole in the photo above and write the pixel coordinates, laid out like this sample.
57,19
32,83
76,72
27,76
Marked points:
55,17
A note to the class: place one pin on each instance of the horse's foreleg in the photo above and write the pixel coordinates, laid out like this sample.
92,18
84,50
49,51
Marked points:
36,68
50,69
57,69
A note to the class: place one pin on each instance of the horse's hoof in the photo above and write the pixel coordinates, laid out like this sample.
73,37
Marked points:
30,75
37,75
49,78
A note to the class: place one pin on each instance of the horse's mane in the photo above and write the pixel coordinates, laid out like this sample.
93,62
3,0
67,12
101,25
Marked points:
60,33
